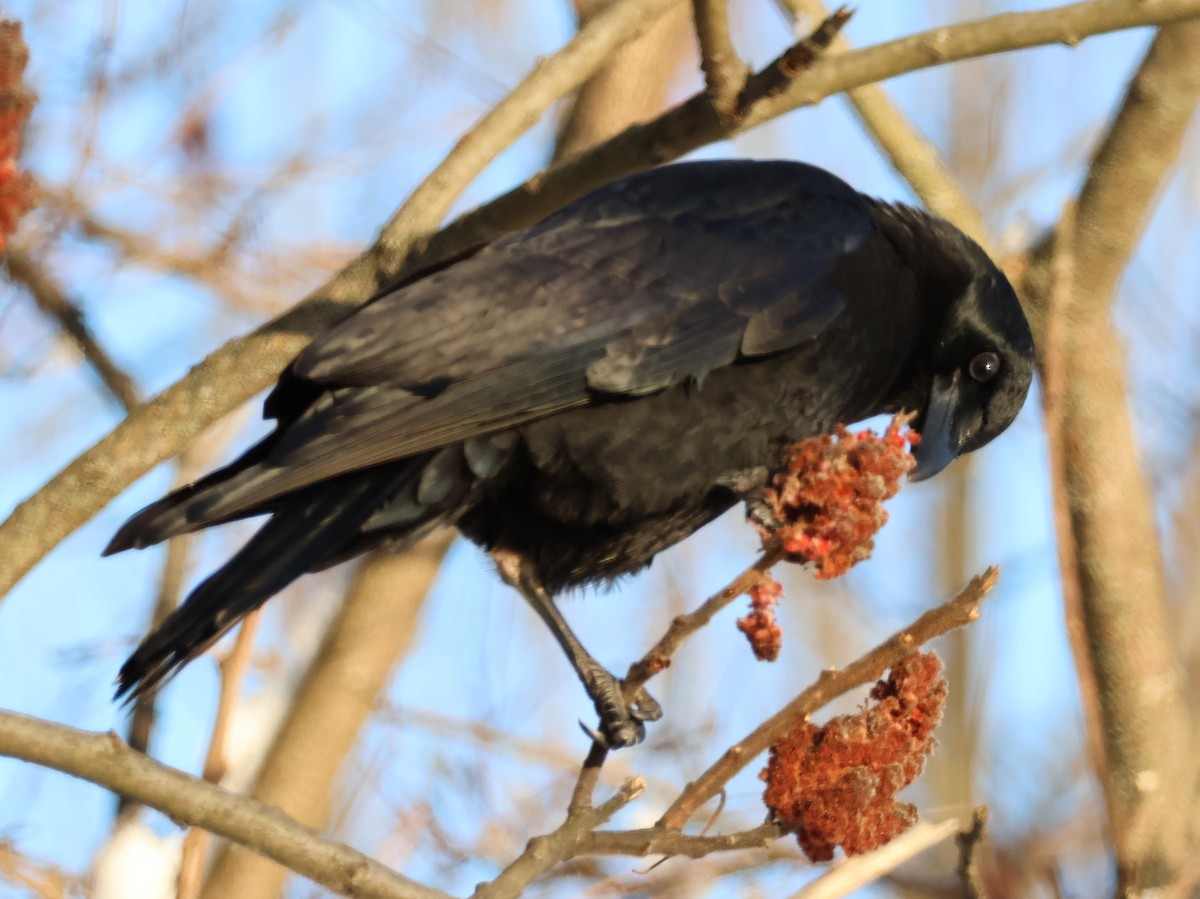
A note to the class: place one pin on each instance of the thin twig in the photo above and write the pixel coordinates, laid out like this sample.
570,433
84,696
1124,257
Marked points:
545,852
666,838
660,841
38,878
54,302
105,760
725,73
192,463
528,750
910,152
243,367
968,842
852,874
961,610
800,57
170,586
553,78
658,658
233,667
205,267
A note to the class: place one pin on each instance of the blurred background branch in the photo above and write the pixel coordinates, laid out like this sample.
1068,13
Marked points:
104,759
369,634
51,299
1114,553
166,231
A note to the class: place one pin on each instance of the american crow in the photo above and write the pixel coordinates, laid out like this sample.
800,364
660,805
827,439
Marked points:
577,396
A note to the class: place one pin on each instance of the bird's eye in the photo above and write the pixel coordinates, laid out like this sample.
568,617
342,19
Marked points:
984,366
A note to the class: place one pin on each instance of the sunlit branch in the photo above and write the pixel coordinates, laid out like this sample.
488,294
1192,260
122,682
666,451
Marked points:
105,760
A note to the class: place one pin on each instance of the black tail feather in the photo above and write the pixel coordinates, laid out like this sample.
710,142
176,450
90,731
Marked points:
169,517
304,531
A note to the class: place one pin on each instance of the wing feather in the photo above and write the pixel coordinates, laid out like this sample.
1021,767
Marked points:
649,282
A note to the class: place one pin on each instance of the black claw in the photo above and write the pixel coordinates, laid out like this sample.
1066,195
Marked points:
645,707
596,736
619,734
759,512
616,734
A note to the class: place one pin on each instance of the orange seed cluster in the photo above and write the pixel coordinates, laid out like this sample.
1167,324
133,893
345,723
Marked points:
836,785
16,187
830,495
760,627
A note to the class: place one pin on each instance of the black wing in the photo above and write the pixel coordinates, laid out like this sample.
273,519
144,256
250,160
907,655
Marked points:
648,282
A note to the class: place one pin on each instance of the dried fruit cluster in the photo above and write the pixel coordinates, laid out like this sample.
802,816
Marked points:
829,497
836,785
760,628
16,187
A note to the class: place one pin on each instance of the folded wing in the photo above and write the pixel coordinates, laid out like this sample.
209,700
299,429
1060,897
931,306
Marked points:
651,281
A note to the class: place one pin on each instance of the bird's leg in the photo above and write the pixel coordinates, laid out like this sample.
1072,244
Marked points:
750,485
621,724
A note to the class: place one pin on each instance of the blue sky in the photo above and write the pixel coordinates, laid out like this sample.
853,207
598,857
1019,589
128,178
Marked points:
372,97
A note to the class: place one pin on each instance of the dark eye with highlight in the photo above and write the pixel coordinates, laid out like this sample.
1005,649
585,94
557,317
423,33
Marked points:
984,366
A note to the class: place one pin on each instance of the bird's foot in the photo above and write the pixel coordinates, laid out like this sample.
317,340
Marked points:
750,486
759,512
621,724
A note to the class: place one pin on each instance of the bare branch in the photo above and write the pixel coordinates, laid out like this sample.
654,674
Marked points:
776,78
1054,375
105,760
968,842
659,657
661,841
1127,170
912,154
961,610
725,73
545,852
241,368
53,301
1110,521
550,80
693,124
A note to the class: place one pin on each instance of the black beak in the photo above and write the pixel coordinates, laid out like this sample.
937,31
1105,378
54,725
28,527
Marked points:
939,444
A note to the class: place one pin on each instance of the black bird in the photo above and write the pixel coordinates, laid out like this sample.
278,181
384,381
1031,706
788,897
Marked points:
577,396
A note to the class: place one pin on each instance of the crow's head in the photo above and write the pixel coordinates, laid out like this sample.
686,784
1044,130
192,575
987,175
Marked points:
982,364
